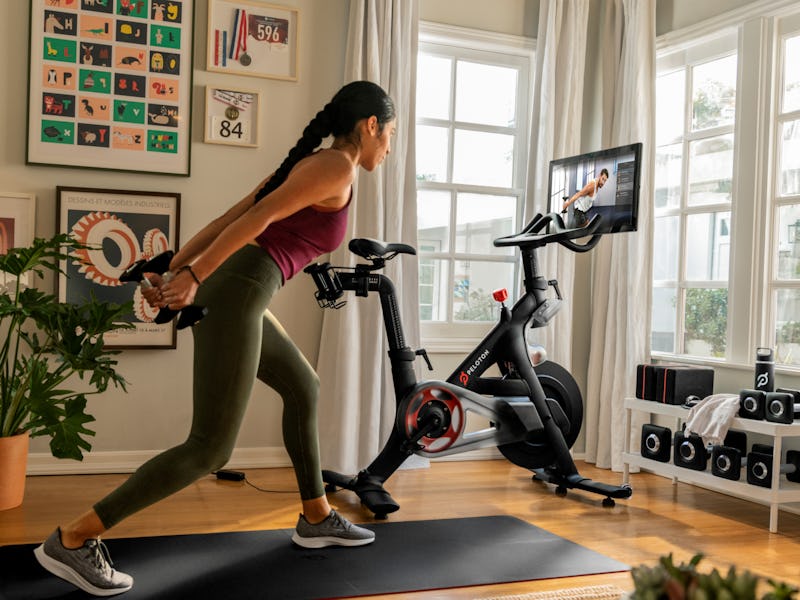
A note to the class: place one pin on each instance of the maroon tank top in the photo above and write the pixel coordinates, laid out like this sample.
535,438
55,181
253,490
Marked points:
298,239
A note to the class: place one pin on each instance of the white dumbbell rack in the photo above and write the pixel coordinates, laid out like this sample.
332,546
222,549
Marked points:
781,491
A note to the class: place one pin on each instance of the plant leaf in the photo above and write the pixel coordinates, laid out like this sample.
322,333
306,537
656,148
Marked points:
68,434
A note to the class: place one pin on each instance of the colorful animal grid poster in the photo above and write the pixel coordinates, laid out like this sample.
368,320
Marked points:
110,84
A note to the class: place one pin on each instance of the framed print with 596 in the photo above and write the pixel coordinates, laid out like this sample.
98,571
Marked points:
252,38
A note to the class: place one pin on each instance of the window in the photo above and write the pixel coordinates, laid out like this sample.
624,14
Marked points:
694,204
472,144
785,282
726,270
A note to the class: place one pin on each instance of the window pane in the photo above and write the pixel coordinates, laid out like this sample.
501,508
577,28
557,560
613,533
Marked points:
433,220
480,219
787,327
486,94
791,75
433,86
706,322
789,242
665,249
711,170
790,158
473,284
714,93
668,176
432,287
663,320
431,149
483,158
708,246
670,103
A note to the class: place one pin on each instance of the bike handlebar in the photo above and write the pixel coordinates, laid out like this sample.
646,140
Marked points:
558,233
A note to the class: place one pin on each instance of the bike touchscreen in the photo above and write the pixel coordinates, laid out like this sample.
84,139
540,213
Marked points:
604,183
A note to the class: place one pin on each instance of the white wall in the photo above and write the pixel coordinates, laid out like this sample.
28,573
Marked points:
155,413
676,14
512,17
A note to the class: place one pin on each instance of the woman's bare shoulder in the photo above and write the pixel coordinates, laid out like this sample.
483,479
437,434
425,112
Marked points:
328,164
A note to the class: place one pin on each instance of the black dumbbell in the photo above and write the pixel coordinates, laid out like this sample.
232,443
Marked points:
782,405
727,462
188,315
759,466
691,453
751,404
656,442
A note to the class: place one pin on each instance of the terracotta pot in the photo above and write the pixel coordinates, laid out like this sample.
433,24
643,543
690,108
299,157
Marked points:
13,464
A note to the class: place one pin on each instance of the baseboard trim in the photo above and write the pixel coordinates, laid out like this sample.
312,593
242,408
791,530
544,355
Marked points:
42,463
94,463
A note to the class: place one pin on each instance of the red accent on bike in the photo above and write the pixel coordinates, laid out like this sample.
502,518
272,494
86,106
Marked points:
450,401
463,378
500,295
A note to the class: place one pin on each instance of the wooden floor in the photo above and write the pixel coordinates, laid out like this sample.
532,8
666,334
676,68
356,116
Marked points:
658,519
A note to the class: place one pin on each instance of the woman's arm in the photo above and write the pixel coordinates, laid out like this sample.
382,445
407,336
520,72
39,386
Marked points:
324,178
201,240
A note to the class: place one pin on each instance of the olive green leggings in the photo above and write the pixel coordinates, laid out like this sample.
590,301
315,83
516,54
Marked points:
237,341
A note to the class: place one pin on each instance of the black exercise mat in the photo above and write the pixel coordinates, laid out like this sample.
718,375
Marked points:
406,556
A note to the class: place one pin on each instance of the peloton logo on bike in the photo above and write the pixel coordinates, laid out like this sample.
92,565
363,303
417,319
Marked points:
464,376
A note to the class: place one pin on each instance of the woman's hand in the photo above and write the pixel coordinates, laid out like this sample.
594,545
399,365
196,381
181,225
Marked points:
178,291
152,292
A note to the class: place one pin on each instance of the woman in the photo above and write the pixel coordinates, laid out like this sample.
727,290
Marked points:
233,267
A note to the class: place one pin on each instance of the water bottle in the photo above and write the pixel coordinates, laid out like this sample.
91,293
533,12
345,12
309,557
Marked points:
765,370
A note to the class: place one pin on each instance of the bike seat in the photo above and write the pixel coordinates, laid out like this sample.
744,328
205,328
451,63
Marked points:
370,249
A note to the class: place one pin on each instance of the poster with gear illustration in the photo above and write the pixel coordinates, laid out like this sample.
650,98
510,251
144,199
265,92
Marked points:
118,228
110,84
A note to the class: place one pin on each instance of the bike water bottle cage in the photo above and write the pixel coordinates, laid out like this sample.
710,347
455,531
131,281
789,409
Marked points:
329,288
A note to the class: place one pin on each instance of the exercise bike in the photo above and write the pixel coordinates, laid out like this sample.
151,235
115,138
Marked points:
534,414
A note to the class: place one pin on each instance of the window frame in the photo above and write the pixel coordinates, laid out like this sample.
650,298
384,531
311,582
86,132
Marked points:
685,59
788,27
751,306
458,43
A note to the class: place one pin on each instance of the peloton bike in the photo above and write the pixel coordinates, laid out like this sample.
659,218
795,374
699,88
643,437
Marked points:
534,413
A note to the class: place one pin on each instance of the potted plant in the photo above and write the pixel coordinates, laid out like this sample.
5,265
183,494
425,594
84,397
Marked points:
43,346
668,581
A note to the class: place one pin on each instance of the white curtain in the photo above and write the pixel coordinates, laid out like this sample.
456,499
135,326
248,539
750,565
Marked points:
357,405
556,133
621,293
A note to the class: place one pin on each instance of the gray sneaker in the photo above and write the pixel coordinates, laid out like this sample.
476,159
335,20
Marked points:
335,530
88,567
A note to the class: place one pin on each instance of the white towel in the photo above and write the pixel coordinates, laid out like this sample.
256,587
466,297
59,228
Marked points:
712,417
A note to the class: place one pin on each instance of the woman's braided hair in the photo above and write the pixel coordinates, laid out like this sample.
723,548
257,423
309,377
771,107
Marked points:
355,101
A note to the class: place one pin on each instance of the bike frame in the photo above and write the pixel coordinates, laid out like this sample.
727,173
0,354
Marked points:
539,444
504,345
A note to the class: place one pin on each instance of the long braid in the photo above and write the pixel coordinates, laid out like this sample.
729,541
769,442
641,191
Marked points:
356,100
317,130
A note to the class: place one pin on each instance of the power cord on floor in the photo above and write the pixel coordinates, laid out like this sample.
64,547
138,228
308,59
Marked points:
229,475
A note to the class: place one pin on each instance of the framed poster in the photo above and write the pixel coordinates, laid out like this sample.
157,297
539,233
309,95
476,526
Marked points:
110,84
17,226
252,38
231,117
121,227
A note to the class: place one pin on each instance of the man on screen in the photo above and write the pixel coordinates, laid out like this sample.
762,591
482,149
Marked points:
583,200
